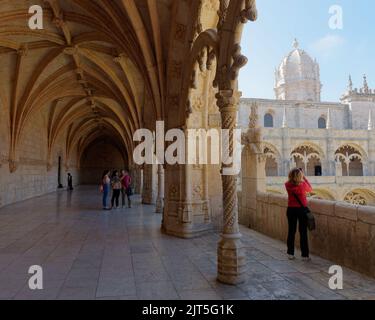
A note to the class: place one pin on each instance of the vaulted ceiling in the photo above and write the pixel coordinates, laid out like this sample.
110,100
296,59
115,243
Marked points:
105,68
97,67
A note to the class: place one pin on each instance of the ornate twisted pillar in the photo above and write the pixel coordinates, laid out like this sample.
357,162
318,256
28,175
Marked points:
160,196
231,253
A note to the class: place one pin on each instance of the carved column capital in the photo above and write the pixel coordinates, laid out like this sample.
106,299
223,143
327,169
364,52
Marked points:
227,100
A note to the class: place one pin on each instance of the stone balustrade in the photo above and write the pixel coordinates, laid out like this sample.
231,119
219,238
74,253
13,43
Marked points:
345,233
368,181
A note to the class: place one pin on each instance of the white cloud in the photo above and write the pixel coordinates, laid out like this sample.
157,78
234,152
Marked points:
327,45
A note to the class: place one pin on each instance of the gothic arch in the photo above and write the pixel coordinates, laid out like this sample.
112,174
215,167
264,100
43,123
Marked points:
312,145
102,61
309,157
352,159
273,162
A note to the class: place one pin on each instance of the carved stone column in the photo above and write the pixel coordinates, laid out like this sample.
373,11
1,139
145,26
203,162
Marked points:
186,210
231,253
160,197
149,184
338,169
136,173
253,168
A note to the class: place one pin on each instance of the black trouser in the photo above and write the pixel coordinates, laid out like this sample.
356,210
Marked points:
115,197
123,194
294,215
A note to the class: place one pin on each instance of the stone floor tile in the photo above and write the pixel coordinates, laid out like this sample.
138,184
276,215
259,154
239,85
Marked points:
115,287
258,292
203,294
71,293
284,290
312,287
88,254
156,290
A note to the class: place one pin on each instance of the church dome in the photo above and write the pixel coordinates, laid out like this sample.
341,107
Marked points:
298,77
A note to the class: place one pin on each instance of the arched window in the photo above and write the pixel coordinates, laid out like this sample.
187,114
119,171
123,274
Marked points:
322,123
271,162
268,120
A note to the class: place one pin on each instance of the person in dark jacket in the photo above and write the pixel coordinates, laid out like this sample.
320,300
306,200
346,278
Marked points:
70,182
116,189
297,187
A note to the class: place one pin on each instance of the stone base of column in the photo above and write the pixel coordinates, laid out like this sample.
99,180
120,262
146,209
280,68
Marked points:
231,257
187,231
186,220
159,205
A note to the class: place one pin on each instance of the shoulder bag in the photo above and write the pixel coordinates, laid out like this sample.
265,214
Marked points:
310,217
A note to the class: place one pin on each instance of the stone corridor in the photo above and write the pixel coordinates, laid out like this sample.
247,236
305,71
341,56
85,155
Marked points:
88,254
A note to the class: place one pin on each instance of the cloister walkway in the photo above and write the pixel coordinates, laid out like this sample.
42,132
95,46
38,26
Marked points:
86,253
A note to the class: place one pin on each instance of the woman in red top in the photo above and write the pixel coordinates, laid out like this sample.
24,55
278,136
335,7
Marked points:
297,187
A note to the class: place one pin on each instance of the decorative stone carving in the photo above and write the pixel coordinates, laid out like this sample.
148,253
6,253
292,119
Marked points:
197,191
71,50
198,104
231,256
356,199
180,33
23,50
173,192
176,69
254,135
222,13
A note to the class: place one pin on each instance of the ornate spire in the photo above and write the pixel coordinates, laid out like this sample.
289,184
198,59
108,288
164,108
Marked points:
350,85
370,126
295,44
365,85
285,122
254,116
328,124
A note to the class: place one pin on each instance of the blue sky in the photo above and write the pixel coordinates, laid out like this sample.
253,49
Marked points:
339,52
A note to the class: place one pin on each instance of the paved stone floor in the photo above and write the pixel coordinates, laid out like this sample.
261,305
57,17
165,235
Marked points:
88,254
